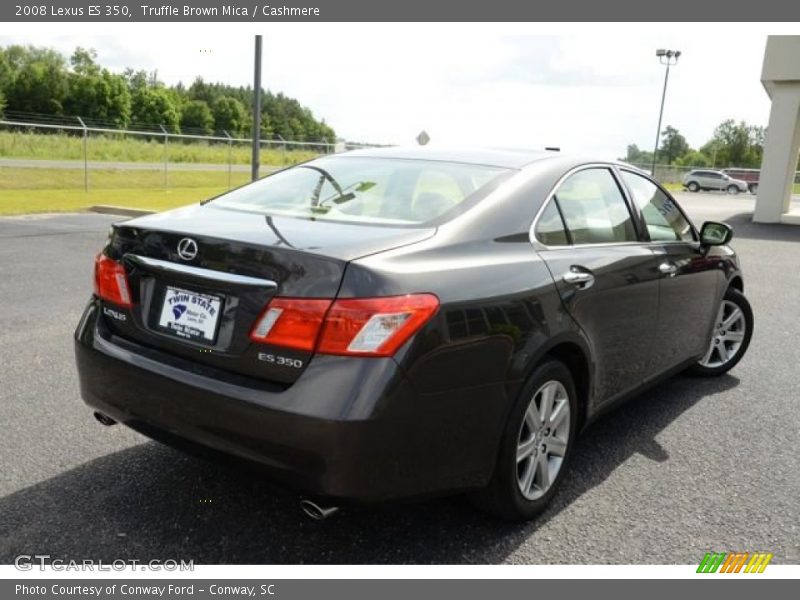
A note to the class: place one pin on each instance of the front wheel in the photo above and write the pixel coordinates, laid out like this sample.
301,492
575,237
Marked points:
733,329
536,445
693,187
733,189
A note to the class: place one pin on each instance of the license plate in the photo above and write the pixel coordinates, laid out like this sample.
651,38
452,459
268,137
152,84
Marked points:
190,315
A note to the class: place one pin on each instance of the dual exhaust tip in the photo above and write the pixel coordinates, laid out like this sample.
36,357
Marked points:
316,511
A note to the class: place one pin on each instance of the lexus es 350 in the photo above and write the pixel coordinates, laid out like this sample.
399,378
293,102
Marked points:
397,323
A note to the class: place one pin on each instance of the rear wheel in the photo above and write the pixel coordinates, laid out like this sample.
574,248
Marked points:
733,329
693,186
733,189
535,447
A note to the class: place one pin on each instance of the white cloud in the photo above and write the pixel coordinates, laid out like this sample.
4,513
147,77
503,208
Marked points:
584,87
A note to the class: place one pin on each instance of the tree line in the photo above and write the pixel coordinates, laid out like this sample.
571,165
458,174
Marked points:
41,81
732,145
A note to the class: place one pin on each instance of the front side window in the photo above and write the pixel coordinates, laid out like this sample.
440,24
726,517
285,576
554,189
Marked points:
365,190
664,220
594,208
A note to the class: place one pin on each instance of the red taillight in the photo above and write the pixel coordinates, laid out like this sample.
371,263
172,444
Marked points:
111,282
353,326
375,326
291,322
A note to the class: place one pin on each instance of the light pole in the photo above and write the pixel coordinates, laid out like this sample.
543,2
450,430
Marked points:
256,159
667,58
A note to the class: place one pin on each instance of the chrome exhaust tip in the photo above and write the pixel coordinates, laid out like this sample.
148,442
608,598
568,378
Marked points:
104,419
315,511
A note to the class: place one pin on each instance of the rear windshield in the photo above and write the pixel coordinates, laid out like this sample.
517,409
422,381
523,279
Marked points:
366,190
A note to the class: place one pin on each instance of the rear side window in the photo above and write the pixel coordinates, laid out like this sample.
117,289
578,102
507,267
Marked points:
550,228
664,220
594,208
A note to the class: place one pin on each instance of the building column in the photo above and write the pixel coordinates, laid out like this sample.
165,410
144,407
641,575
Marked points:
781,148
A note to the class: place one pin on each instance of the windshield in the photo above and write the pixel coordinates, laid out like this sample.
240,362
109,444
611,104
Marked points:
365,190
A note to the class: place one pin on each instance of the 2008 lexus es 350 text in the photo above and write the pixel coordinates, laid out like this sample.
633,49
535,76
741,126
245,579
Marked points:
395,323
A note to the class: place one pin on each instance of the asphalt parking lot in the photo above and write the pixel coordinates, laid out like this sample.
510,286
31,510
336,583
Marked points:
690,466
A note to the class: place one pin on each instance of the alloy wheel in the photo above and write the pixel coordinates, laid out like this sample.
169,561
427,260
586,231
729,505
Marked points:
729,332
543,439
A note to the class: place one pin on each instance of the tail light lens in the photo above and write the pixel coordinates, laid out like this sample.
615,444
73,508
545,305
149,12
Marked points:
111,282
353,326
375,326
291,323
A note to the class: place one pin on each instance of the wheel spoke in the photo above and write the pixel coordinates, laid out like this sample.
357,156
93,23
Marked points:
546,407
560,412
707,358
556,446
543,472
732,318
525,449
528,474
723,352
734,336
532,417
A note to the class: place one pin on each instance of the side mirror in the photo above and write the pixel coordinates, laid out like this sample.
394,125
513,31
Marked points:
715,234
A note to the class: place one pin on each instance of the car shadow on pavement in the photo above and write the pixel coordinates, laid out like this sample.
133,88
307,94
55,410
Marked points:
744,228
151,502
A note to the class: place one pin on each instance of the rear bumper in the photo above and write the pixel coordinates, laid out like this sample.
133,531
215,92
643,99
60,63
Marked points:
347,428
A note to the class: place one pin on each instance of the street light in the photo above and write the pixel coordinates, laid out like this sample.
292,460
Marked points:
667,58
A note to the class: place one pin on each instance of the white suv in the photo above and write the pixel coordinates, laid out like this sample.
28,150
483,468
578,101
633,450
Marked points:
704,179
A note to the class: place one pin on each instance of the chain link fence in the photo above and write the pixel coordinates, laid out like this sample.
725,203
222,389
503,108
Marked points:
72,154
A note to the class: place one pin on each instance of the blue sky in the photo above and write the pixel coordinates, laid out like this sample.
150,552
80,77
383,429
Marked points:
584,87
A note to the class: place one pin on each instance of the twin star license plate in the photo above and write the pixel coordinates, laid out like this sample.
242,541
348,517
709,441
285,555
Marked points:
190,315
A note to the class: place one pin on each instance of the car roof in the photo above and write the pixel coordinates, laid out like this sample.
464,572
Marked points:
505,158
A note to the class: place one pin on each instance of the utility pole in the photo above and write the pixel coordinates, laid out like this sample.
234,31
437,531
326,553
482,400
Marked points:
256,161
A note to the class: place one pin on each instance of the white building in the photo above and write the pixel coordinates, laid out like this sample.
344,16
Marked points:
781,78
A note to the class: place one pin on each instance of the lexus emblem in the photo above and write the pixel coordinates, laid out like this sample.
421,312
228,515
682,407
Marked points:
187,249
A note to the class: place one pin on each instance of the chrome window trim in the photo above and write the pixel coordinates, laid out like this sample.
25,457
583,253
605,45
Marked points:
610,167
613,168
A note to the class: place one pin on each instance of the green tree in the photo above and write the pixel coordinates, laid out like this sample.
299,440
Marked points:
96,93
196,115
230,115
635,156
36,80
673,145
84,62
154,106
693,158
736,145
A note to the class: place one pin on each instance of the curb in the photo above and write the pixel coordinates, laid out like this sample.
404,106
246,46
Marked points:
107,209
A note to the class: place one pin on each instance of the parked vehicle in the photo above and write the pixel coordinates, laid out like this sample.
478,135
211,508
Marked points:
706,179
390,323
749,176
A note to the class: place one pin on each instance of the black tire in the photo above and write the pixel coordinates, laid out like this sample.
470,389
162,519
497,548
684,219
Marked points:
692,186
738,298
732,189
503,497
753,188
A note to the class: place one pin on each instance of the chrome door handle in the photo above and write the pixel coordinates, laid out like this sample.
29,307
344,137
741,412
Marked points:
667,268
581,279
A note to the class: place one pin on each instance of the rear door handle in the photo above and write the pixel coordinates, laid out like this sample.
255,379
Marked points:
667,268
580,279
